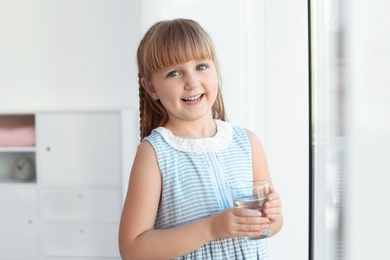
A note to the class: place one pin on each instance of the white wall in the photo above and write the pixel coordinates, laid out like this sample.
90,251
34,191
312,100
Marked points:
287,114
67,54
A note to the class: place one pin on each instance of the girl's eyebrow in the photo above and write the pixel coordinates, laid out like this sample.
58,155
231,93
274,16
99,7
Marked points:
177,66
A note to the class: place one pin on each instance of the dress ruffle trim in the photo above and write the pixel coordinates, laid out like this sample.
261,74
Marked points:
219,141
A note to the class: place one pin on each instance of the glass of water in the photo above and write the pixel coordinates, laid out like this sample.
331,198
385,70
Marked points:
251,195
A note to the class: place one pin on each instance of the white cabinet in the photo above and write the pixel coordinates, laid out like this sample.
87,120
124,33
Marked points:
71,209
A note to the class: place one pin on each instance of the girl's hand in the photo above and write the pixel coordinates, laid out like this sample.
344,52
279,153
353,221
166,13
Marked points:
273,206
237,222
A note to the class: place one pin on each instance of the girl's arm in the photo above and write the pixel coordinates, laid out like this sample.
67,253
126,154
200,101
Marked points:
273,206
139,240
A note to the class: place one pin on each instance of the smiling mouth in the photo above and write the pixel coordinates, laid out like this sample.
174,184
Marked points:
193,99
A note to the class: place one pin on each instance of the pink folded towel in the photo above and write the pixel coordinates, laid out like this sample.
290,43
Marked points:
17,136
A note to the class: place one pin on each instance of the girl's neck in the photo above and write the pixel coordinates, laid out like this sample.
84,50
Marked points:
201,128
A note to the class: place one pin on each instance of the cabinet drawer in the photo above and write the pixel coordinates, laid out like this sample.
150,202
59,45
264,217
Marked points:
19,227
80,205
93,240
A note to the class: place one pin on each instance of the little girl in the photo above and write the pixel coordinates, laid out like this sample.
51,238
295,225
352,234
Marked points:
179,203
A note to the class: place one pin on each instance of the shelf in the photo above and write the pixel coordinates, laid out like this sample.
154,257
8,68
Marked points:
17,149
11,183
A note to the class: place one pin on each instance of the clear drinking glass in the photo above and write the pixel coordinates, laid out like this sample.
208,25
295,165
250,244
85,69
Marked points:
251,195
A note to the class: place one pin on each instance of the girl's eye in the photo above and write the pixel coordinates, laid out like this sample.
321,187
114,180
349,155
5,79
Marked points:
173,74
201,67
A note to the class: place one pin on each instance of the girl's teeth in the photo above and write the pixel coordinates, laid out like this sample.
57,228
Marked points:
192,98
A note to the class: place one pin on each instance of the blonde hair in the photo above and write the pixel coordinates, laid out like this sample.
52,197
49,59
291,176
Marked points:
165,44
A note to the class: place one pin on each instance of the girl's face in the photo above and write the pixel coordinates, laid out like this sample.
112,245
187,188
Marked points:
187,90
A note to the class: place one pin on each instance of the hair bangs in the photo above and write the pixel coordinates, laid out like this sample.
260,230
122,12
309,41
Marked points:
179,45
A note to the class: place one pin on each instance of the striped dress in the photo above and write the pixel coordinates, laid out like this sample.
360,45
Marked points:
196,176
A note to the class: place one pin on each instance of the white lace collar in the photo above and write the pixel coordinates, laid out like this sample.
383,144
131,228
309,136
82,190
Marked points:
219,141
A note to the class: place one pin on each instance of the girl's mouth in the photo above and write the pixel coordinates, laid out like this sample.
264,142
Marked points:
192,99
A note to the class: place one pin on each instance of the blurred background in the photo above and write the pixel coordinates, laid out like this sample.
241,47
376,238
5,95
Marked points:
310,78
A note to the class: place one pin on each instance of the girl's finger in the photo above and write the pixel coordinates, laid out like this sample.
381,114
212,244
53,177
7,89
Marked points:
273,196
272,204
273,217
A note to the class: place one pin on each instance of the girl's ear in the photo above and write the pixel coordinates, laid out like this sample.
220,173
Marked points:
149,88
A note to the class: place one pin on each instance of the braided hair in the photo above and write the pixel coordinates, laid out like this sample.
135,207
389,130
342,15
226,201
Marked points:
167,43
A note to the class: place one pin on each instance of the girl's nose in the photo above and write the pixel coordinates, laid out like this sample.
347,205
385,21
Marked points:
191,81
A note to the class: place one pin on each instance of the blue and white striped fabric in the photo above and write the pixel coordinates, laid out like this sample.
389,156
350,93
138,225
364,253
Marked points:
196,176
